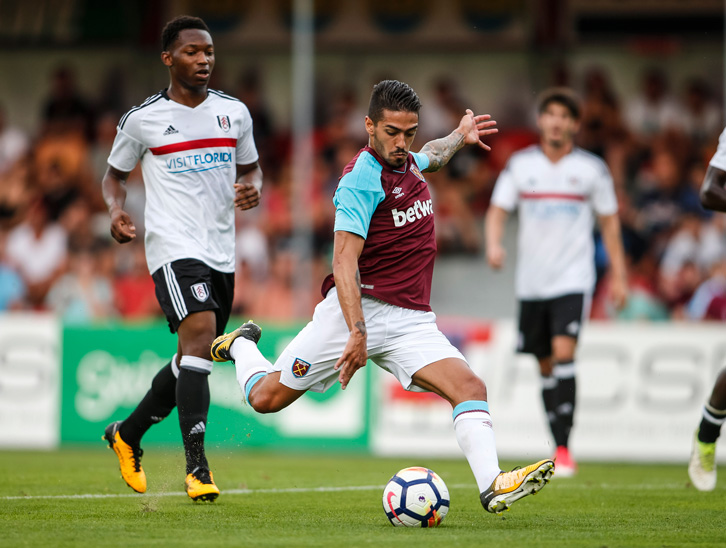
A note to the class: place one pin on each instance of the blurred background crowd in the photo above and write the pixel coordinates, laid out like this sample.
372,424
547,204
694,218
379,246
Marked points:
56,252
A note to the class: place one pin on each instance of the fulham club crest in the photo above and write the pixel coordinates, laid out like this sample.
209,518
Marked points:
300,368
223,122
200,292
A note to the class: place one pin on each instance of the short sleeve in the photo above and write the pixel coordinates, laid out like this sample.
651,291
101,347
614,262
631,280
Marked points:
126,151
505,193
604,201
354,209
246,152
422,160
719,159
358,195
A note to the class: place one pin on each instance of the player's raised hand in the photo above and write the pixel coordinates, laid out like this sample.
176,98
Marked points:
475,127
122,228
355,356
247,196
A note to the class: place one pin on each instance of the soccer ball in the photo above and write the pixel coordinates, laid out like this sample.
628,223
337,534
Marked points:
416,497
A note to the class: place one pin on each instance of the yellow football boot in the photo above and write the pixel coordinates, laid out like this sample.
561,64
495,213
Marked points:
509,487
200,485
129,458
222,344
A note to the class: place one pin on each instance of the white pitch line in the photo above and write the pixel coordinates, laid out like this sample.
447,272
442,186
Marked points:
561,483
181,493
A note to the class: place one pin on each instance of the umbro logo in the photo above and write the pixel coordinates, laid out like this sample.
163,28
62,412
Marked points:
170,131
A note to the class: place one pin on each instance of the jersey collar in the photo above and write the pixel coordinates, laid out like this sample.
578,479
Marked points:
165,95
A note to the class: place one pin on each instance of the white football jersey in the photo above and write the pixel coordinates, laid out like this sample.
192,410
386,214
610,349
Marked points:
188,161
719,159
557,203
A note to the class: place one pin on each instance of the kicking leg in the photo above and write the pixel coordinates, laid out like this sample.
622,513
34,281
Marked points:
453,380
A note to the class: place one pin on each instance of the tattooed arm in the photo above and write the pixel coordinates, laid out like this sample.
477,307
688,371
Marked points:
470,131
347,247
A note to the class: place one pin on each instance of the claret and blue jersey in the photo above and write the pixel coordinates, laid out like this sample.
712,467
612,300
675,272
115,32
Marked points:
391,209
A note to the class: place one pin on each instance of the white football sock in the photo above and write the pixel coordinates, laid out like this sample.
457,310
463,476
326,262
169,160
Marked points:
474,432
250,364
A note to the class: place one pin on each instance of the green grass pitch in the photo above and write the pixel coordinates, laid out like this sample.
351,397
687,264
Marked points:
75,497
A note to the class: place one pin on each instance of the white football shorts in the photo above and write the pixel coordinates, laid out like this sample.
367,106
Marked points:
400,340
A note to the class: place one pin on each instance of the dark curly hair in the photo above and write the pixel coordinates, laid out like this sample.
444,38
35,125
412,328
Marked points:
561,96
175,26
392,95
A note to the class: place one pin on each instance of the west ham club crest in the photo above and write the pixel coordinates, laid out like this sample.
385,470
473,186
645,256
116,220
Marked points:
417,172
300,367
223,121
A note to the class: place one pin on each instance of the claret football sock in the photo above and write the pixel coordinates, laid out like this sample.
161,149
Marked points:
475,435
711,422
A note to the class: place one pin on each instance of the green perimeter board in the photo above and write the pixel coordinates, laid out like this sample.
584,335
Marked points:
108,369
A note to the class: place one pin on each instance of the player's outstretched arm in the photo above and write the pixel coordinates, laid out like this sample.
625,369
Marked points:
114,194
347,247
713,189
470,131
248,186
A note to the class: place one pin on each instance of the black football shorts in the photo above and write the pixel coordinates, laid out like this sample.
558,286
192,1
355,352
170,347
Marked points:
186,286
540,320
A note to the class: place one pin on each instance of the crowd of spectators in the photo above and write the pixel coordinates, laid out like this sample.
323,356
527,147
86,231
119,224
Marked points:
56,252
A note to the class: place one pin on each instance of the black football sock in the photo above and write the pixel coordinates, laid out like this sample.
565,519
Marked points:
192,398
153,408
549,398
710,427
565,374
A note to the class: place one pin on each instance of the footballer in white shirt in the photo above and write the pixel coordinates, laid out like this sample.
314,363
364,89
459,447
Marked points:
702,465
198,160
559,190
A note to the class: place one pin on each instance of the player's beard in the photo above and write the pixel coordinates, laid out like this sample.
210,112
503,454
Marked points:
380,148
397,161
